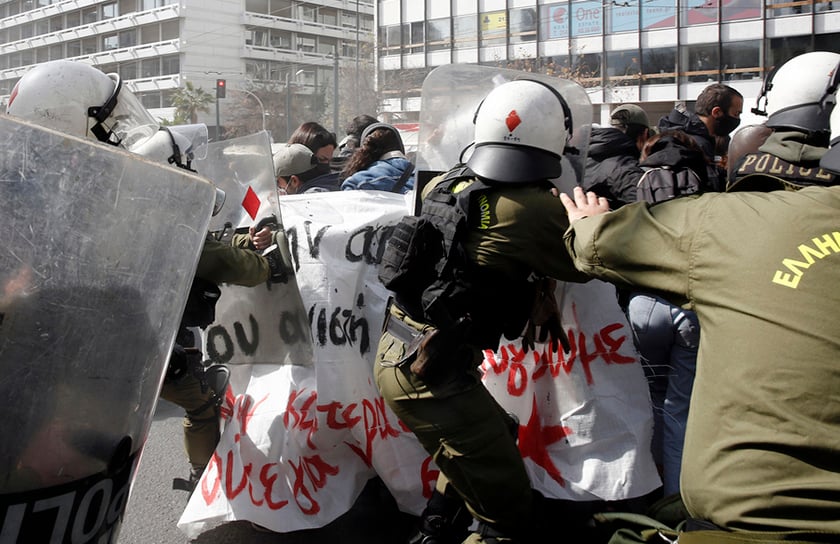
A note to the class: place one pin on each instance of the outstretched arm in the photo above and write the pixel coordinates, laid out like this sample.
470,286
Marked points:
584,204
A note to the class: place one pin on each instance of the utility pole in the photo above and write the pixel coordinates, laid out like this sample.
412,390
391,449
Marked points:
335,89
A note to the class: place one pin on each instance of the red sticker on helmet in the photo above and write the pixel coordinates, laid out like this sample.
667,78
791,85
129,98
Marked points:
512,120
13,95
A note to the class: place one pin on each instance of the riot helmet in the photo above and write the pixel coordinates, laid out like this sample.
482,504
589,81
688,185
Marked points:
77,99
793,93
831,160
522,129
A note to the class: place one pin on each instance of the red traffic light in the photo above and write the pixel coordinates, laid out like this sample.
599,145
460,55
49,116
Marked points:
220,88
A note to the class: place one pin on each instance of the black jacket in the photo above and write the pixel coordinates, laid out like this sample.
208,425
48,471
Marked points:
612,166
692,125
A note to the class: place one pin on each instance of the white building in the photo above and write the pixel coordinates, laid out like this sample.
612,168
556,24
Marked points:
653,52
157,45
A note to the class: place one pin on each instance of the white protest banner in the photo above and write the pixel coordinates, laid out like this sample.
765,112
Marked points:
302,437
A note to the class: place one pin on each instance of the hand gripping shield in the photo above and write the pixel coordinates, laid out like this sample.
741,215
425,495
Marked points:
98,253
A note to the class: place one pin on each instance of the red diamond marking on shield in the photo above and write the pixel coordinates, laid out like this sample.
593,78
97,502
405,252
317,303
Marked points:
512,120
251,203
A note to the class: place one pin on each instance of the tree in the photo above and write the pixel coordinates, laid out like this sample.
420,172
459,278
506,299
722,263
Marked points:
189,100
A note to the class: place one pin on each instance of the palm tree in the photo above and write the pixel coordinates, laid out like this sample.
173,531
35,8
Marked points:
189,101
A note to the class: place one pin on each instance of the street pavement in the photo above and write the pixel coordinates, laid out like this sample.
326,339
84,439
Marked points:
154,507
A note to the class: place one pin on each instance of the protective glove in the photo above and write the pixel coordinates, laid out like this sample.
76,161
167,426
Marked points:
546,316
279,258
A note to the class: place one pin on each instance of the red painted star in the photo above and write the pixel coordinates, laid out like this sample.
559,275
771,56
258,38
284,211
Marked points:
534,438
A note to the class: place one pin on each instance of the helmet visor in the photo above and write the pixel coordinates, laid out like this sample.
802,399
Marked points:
129,122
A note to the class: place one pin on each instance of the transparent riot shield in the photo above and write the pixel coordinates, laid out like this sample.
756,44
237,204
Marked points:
450,97
97,254
243,169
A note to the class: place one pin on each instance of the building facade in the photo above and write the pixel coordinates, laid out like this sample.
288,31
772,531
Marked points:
652,52
158,45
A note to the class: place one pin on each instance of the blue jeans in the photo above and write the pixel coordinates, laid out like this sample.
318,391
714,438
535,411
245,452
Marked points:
666,337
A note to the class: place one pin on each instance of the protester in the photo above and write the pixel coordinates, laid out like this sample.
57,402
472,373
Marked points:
426,364
298,171
612,163
757,267
322,144
717,112
379,163
350,142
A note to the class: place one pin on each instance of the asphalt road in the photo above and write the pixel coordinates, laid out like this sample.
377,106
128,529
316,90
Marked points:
154,507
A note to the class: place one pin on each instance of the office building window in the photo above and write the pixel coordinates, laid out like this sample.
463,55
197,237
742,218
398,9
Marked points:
128,38
110,41
779,50
56,23
699,63
623,67
42,27
150,100
782,8
129,70
659,66
57,51
257,6
110,10
150,67
169,30
170,65
586,68
699,12
74,48
90,15
492,28
742,9
660,14
414,37
465,30
554,21
89,46
73,18
280,39
587,18
389,40
827,42
523,25
127,6
438,34
623,16
741,60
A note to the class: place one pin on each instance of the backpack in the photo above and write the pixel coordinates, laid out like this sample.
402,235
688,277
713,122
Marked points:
664,183
424,264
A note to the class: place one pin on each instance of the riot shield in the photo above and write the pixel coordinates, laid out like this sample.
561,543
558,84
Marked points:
243,169
98,252
450,97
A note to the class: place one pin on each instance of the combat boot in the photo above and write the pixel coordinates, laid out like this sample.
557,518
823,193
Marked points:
445,520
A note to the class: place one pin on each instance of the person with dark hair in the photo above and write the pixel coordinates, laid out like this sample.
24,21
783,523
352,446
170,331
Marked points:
717,112
379,163
612,164
350,142
298,171
321,141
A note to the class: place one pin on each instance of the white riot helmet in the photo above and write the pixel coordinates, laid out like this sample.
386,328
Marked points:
793,93
77,99
831,159
522,128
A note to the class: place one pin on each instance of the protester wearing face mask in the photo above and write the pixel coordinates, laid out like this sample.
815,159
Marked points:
717,112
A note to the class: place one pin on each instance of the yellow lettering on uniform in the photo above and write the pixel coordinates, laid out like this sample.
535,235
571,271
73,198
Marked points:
748,162
808,251
783,278
484,207
805,172
794,266
776,168
761,165
828,243
822,174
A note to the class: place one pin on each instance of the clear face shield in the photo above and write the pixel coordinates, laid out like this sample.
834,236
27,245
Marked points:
122,120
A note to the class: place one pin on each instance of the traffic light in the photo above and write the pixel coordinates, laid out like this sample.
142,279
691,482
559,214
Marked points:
220,88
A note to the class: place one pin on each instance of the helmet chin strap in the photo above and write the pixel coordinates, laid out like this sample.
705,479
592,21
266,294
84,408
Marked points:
101,113
175,158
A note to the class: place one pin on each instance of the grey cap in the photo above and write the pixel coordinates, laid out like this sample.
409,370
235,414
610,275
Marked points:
629,114
293,160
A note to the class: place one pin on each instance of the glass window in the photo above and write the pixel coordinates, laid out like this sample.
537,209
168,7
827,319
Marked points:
57,51
170,30
56,23
166,97
127,6
170,65
782,8
827,42
42,54
438,34
27,58
26,30
624,17
523,25
150,100
280,39
414,36
465,30
257,6
74,48
110,41
587,18
110,10
90,15
329,17
150,68
304,43
393,42
623,67
741,60
660,14
779,50
699,63
586,68
42,27
326,46
129,70
281,8
73,18
89,46
493,29
659,65
699,12
554,21
742,9
150,33
128,38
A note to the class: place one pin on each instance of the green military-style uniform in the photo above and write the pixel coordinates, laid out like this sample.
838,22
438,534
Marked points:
513,230
218,263
762,447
